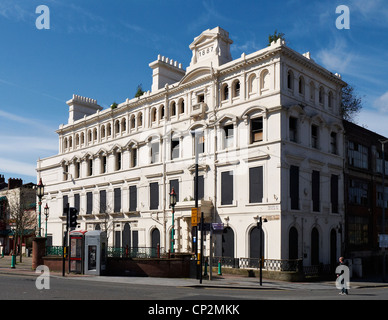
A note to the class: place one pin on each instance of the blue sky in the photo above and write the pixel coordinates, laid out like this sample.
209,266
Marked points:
101,49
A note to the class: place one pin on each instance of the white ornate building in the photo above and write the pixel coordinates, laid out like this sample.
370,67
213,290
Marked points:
270,146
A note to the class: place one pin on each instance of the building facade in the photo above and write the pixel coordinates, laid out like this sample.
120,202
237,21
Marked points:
364,195
18,219
267,132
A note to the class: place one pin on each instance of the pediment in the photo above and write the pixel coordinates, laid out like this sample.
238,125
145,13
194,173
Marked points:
203,39
196,74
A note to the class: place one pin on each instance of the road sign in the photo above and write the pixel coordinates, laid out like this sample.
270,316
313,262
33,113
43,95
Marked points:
194,217
218,226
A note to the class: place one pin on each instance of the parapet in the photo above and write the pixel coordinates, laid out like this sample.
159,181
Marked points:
81,106
165,71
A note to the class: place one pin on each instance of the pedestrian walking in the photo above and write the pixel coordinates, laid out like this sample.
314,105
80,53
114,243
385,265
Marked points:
342,272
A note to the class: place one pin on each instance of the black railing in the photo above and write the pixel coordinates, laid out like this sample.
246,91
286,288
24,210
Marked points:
284,265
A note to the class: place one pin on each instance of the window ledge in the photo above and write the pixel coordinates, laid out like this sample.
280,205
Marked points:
233,204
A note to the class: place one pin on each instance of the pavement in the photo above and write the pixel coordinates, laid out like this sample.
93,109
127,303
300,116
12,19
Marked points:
224,280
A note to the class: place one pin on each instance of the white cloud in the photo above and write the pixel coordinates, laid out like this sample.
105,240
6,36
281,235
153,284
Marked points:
17,167
338,58
33,123
27,145
374,121
381,103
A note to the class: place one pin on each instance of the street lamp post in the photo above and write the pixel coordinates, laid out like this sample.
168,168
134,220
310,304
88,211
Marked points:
46,213
40,193
172,204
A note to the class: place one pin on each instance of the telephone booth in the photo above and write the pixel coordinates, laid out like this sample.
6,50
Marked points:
87,252
95,252
76,254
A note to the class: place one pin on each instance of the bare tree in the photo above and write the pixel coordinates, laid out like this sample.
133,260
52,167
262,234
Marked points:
21,213
351,103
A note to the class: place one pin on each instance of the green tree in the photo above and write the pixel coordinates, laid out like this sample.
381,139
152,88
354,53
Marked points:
275,37
139,91
351,104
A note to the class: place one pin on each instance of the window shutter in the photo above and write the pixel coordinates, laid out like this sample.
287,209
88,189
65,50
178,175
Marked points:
117,200
154,196
132,198
65,201
255,184
315,190
89,202
294,187
334,193
227,187
77,201
102,201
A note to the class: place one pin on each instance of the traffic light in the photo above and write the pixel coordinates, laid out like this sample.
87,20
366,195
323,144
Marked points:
73,217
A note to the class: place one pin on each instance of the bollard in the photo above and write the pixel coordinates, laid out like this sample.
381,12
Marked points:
13,260
219,268
205,272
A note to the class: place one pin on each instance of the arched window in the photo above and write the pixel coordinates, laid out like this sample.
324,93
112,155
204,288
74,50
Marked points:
140,119
228,242
290,80
155,238
126,236
321,95
117,127
312,91
153,114
264,80
173,109
109,129
181,106
102,131
236,89
293,244
252,84
133,121
77,140
161,112
95,134
301,85
90,136
314,247
255,242
225,92
330,99
123,125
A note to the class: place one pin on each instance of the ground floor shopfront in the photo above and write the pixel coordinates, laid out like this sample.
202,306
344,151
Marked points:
286,236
